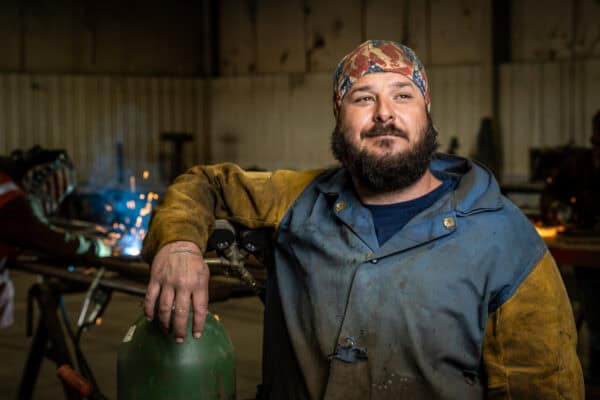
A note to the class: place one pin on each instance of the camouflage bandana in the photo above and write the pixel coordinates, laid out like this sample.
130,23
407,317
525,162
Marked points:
378,56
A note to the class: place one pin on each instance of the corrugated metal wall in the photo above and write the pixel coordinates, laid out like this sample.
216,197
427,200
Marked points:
88,116
456,104
545,104
284,121
271,121
278,121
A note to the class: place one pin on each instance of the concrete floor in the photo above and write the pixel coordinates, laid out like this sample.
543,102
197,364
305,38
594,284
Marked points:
241,317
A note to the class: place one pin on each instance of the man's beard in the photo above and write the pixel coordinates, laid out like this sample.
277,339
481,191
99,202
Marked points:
389,173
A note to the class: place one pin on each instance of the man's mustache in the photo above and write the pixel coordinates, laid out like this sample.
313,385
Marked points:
384,130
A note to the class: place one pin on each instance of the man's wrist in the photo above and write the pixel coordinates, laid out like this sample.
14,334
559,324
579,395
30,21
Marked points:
194,252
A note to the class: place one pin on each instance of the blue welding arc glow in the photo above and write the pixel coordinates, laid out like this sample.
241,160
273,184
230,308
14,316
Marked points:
129,214
70,268
132,251
131,244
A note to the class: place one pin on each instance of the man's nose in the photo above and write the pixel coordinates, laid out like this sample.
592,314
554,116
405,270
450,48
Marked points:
383,112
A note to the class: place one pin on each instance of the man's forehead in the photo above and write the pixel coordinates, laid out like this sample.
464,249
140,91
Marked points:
382,80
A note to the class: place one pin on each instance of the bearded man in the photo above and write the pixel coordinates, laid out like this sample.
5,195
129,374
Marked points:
399,274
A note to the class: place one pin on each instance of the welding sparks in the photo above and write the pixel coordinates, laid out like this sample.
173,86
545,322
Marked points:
145,211
131,213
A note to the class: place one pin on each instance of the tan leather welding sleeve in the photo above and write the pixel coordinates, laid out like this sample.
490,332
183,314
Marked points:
529,350
224,191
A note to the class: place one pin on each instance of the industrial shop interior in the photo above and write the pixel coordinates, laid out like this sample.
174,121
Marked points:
259,199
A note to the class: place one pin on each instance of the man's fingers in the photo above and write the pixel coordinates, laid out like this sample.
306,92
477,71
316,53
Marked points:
200,304
180,315
165,305
177,270
150,300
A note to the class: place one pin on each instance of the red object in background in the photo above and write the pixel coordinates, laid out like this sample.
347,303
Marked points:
74,380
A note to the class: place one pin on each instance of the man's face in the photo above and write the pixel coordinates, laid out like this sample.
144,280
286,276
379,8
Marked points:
384,136
383,100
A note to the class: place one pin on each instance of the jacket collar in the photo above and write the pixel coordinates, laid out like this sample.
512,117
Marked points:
477,188
477,191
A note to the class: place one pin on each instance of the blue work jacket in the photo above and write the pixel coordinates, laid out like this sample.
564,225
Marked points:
448,308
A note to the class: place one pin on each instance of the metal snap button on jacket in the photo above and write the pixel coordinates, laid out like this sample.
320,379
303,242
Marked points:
340,205
449,223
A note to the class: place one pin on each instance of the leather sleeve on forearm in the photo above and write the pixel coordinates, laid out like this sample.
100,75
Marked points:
529,349
22,226
225,191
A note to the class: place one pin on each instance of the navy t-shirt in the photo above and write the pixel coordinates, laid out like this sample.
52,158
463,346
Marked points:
390,218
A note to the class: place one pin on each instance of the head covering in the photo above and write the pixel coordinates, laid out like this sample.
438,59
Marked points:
378,56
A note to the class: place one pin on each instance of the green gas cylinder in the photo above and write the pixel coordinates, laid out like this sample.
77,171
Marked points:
150,365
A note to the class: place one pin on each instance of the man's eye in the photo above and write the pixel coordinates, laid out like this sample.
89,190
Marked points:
363,99
403,96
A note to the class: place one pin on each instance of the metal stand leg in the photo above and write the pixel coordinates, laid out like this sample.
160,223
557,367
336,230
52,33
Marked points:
34,362
49,339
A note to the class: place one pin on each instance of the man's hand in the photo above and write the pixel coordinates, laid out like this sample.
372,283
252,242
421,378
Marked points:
178,274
